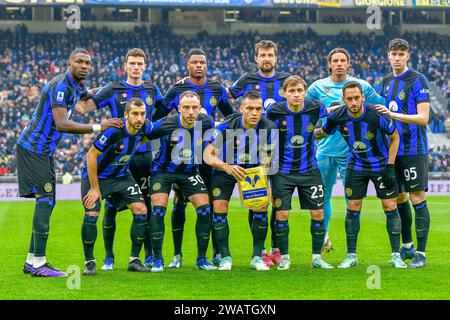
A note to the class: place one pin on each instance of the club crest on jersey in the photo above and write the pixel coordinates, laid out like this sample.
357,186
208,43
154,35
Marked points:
268,102
149,100
401,95
393,106
369,135
252,182
310,128
60,96
213,101
281,92
257,87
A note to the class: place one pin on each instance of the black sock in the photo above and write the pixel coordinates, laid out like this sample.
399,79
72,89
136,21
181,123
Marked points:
352,226
222,230
89,235
41,224
148,237
215,244
318,231
282,234
157,230
404,210
203,230
137,233
178,220
273,237
31,248
394,227
259,231
109,228
422,225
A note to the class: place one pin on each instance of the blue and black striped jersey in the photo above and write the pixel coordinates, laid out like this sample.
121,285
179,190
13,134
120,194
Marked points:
367,136
297,150
403,94
115,96
41,135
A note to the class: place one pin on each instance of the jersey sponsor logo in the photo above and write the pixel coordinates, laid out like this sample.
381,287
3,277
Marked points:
297,141
203,110
60,96
401,95
213,101
149,100
360,147
48,187
244,158
393,106
268,102
185,154
369,135
103,139
216,192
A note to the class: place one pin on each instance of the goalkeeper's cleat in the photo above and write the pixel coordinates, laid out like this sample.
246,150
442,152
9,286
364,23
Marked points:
158,265
109,264
203,264
177,262
27,268
259,264
266,259
285,262
406,253
275,256
48,271
136,265
327,247
319,263
418,261
216,260
225,264
396,261
148,262
350,261
90,268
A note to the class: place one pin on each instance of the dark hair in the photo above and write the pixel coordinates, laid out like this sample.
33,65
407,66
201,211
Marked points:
337,50
77,51
138,102
294,80
266,44
135,52
398,44
252,94
195,51
189,94
352,84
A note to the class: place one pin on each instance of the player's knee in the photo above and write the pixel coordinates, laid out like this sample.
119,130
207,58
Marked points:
355,204
402,197
316,214
220,206
417,197
138,208
159,200
282,215
389,204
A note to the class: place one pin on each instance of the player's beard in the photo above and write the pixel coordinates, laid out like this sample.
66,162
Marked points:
265,69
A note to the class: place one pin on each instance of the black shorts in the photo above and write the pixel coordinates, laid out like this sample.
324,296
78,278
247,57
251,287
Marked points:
356,183
222,185
309,186
205,173
189,183
120,192
412,173
36,173
140,168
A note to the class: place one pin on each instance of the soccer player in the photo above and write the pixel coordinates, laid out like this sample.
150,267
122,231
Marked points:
243,150
35,149
114,96
213,96
332,151
177,163
106,175
268,83
408,100
371,158
297,167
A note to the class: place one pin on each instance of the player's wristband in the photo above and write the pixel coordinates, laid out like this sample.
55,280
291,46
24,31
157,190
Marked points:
96,128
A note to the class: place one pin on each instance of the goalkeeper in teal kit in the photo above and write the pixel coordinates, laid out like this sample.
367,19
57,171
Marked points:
332,151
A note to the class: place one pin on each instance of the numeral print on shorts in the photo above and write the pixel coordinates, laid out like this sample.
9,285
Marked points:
145,183
410,174
134,189
315,190
195,180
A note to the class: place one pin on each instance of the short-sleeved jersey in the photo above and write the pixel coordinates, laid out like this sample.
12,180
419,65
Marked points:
212,94
403,94
41,135
115,96
270,88
297,150
117,146
367,136
239,146
329,92
181,148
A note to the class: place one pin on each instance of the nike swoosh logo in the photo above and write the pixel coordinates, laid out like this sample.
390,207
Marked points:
219,228
107,227
123,102
205,238
320,233
156,238
89,242
319,204
140,238
283,129
415,185
420,230
389,193
259,227
203,189
174,230
117,152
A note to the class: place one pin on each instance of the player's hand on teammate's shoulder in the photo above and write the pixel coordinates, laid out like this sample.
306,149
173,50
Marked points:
182,80
91,197
113,122
382,109
236,171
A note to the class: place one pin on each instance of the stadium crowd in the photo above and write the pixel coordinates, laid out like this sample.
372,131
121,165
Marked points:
439,159
28,61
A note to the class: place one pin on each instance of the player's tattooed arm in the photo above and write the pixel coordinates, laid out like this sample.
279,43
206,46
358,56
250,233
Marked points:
210,157
421,118
94,193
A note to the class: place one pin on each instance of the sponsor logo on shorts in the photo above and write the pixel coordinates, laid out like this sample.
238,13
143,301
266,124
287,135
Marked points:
348,192
48,187
216,192
156,186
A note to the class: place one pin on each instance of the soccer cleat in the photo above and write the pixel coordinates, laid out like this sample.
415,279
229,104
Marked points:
327,247
203,264
136,265
319,263
216,260
177,262
406,253
225,264
350,260
275,256
265,257
158,265
148,262
259,264
89,268
48,271
27,268
396,261
418,261
109,264
285,262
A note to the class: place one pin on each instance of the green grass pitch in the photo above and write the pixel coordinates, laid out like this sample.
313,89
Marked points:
300,282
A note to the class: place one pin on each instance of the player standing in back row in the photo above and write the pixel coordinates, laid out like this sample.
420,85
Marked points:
408,100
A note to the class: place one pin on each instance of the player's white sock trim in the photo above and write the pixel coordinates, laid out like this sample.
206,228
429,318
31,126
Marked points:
85,263
315,256
39,262
408,245
422,253
133,258
273,250
30,258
